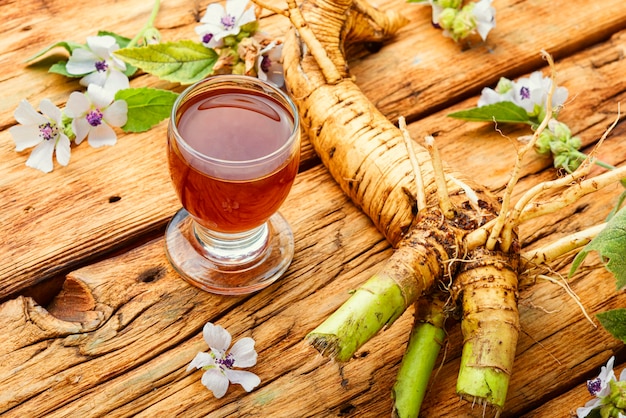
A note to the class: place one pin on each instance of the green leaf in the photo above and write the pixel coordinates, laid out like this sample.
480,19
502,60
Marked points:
504,112
614,321
611,244
182,62
146,107
69,46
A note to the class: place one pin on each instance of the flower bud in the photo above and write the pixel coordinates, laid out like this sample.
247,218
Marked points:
464,23
558,147
561,161
617,395
151,36
446,18
574,142
453,4
239,68
560,130
543,142
230,40
504,85
250,28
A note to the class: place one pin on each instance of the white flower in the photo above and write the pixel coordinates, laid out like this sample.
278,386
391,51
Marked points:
98,64
218,363
219,23
269,64
484,17
599,387
92,114
42,131
532,91
529,93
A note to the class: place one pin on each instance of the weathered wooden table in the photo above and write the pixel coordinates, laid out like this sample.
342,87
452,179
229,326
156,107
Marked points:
96,322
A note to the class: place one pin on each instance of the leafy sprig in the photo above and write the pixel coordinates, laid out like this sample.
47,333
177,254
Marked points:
230,43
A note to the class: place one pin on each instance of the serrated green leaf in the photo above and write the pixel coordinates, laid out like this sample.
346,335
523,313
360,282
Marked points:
503,112
614,321
182,62
146,107
69,46
610,243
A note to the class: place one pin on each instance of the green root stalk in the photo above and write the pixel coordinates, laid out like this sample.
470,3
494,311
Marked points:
410,272
419,359
376,303
488,290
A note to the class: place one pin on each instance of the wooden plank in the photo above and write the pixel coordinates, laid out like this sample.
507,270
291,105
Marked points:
133,325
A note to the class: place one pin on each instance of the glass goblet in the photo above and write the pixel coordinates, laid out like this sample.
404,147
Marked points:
233,153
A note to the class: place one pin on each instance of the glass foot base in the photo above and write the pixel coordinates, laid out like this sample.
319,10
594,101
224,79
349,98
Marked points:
185,254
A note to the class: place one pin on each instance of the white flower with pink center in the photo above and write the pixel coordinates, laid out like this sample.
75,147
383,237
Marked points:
219,363
94,114
219,22
44,131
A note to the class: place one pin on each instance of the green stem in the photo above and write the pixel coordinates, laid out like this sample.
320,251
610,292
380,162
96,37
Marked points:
149,24
409,273
419,359
377,303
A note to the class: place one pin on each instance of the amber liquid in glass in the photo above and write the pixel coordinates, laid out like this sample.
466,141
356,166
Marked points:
231,127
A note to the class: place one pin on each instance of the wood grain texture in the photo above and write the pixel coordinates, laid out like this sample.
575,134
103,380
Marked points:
116,340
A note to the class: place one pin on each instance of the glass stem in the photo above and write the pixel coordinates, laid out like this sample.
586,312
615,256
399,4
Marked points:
233,249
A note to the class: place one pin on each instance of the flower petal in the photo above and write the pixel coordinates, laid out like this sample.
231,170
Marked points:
41,157
213,16
82,61
243,353
99,96
81,128
247,17
484,14
77,105
116,81
102,135
201,360
27,115
216,337
25,136
216,382
247,380
489,96
560,96
51,110
116,114
236,7
102,46
589,406
62,150
96,77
